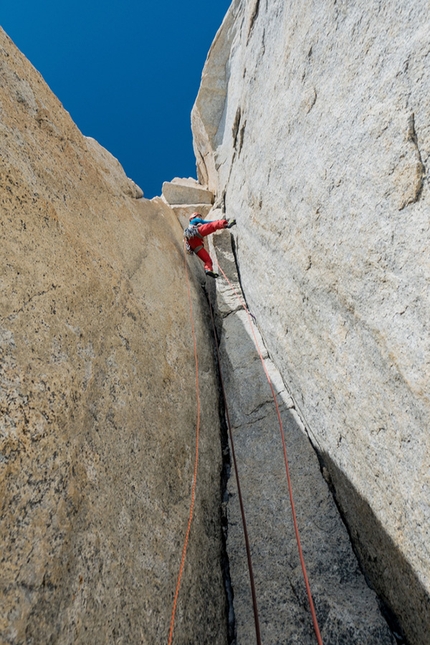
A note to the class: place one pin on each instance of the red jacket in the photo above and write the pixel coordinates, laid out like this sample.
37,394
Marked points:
203,230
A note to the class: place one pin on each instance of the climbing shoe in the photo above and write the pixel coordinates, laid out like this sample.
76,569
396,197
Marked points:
212,274
231,222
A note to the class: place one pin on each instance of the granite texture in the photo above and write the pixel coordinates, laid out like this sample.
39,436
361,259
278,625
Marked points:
186,191
347,610
97,395
312,127
186,196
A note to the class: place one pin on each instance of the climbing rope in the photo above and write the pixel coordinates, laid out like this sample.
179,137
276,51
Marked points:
239,491
287,468
196,463
194,481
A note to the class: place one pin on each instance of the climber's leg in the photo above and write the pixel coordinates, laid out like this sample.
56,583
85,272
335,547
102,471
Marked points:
211,227
206,259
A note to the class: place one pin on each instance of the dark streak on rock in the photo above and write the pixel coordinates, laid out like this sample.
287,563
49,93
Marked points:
235,128
241,136
254,16
421,171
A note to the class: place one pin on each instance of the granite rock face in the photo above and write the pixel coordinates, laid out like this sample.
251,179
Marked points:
97,395
347,610
312,128
186,191
185,197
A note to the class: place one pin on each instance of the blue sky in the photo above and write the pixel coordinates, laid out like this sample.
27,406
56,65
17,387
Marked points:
128,71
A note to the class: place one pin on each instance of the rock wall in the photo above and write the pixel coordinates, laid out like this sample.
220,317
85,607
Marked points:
347,610
312,126
97,395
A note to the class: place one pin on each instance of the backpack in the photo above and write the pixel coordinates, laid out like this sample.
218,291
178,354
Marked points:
189,232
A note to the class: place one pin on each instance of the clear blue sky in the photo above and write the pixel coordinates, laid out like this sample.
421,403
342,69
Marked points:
128,71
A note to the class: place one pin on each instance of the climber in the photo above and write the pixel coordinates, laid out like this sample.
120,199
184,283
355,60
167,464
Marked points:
196,219
194,243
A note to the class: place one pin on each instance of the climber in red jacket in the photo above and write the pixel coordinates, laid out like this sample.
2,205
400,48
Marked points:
194,243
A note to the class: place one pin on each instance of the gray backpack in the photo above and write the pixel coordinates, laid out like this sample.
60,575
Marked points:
190,232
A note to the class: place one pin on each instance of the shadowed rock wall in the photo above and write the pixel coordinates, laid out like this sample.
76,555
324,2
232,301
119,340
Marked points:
312,126
97,395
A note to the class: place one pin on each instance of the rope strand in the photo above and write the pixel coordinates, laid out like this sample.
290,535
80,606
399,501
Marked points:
239,493
287,469
194,481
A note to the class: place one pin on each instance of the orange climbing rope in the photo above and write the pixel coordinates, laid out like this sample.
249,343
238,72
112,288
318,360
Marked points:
194,482
287,468
239,492
196,463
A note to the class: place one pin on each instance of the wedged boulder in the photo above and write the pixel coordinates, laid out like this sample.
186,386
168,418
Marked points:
97,395
183,211
186,191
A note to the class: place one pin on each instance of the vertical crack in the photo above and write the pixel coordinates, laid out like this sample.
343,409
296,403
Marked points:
225,476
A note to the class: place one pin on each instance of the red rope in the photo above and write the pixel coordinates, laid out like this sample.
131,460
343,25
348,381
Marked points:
239,492
196,463
287,469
